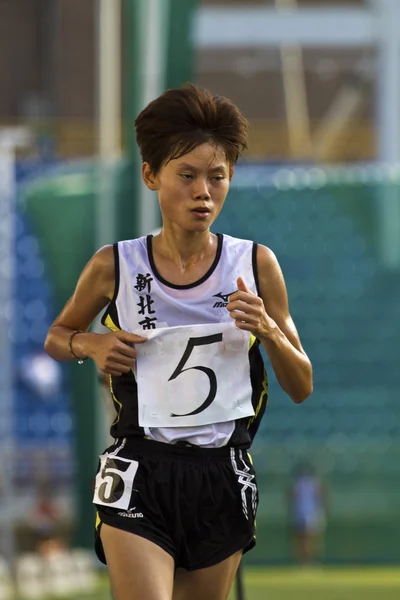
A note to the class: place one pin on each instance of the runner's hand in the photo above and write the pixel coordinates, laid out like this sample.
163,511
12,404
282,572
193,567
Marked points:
114,353
248,311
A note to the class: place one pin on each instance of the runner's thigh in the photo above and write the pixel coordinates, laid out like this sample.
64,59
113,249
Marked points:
138,568
212,583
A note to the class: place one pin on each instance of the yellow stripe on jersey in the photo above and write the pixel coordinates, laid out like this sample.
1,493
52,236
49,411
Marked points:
252,340
264,393
110,324
116,401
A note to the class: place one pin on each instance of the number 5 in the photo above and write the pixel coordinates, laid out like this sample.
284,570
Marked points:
114,481
192,343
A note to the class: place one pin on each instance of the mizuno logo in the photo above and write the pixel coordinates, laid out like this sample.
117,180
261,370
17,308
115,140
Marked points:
224,299
130,514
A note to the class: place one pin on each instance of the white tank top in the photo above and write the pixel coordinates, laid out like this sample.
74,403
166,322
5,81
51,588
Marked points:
145,302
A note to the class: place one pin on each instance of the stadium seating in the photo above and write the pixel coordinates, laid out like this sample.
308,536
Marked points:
42,418
346,309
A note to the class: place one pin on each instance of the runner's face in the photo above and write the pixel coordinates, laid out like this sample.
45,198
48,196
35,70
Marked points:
192,189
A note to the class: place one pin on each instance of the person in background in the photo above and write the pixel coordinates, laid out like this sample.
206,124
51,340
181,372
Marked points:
44,520
307,514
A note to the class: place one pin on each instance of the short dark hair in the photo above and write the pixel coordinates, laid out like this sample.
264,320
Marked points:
183,118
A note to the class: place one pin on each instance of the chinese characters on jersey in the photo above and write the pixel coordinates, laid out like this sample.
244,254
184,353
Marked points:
143,286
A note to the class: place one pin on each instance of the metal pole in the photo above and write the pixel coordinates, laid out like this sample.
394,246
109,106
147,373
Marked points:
180,55
240,593
295,93
153,40
109,153
388,102
109,116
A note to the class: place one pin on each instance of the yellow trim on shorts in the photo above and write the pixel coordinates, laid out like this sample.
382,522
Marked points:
98,520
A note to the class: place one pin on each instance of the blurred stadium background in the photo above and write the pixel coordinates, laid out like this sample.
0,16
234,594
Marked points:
320,184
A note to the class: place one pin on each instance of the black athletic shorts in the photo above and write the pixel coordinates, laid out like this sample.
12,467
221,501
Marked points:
198,504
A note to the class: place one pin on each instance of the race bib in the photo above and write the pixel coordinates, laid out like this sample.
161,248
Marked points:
114,481
194,375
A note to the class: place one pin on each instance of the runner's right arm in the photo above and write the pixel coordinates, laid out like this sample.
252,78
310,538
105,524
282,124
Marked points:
112,352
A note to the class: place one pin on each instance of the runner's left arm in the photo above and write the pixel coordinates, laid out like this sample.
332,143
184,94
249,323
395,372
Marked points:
269,319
